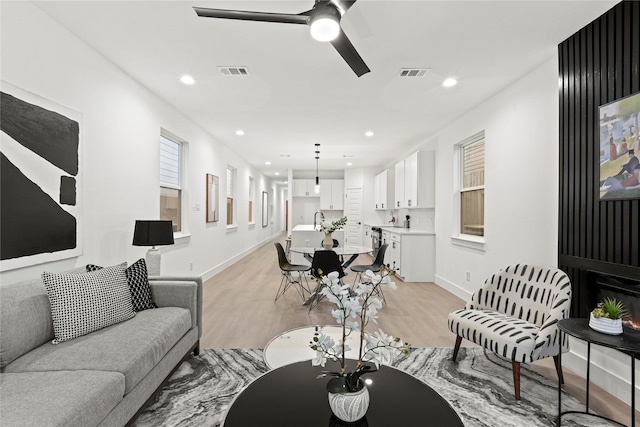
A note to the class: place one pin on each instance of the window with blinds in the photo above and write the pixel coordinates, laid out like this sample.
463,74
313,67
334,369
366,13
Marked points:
472,188
171,182
231,183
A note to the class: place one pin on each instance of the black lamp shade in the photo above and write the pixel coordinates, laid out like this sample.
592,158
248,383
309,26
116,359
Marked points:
152,233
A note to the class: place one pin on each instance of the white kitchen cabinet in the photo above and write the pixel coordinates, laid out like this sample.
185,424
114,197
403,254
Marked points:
304,188
412,255
394,253
398,194
415,181
332,194
383,190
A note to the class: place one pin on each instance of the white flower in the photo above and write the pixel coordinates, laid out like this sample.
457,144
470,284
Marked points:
354,311
319,359
339,315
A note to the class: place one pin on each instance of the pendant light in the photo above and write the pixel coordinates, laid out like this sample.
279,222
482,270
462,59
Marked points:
317,187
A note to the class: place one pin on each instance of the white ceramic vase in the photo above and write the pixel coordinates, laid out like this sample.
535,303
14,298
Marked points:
350,407
604,325
327,243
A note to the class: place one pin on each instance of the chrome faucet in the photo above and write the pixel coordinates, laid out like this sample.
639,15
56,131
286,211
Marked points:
393,219
315,223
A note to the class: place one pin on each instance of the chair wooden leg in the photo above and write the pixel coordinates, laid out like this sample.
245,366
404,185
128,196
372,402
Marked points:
558,370
516,377
456,347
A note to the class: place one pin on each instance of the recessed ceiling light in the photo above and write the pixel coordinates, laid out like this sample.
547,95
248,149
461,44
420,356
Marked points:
267,163
449,82
188,80
277,173
349,163
239,132
369,133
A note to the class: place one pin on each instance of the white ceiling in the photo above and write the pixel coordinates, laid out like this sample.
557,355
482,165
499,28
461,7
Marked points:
301,92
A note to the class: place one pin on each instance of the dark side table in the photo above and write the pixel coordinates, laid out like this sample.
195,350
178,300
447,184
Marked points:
627,342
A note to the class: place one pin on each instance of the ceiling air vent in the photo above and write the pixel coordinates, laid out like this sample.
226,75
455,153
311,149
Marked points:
414,72
234,71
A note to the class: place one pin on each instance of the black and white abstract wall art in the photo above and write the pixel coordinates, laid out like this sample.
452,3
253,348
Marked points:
40,179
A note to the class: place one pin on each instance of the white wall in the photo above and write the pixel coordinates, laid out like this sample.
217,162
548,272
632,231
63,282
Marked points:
122,122
521,202
521,180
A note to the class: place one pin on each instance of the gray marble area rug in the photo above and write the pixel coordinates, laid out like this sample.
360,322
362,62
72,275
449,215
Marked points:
479,387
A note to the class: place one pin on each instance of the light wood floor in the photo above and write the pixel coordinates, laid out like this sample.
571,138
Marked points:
240,312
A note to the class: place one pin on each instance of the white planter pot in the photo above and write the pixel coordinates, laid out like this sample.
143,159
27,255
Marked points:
350,407
604,325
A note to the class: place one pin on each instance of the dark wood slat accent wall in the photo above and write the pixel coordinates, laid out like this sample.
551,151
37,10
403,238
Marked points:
597,65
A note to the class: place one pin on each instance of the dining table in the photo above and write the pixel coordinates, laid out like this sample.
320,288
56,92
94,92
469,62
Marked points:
351,251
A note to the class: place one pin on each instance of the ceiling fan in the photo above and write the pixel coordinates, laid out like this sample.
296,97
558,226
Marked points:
323,20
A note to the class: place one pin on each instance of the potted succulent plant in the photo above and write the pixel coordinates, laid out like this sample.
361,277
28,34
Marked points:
607,316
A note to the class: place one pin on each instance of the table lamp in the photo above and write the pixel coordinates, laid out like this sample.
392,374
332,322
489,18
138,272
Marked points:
152,233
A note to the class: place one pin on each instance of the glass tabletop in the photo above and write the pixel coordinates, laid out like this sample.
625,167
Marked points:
292,396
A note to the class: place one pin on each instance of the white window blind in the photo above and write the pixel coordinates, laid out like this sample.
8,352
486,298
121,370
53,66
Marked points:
472,187
473,165
169,162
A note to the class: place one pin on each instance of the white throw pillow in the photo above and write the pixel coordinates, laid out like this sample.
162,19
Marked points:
83,303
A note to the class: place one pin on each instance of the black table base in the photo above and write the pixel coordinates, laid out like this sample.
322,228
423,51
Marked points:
627,343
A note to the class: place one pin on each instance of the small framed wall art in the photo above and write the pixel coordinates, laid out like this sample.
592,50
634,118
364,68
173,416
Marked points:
213,210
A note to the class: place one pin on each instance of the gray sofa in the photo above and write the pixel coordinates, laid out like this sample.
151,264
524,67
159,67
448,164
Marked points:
100,379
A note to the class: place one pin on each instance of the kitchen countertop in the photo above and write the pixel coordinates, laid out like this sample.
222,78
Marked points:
402,230
304,227
309,227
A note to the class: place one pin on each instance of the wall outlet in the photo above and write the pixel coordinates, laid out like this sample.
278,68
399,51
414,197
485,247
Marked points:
468,276
190,266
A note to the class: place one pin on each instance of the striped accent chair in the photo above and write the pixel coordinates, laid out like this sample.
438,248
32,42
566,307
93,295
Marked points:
514,315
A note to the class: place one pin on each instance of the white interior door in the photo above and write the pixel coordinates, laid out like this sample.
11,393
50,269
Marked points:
353,211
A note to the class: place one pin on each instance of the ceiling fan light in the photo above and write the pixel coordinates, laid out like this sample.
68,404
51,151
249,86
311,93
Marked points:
324,27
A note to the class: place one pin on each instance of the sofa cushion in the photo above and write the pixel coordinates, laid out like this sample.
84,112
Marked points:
25,319
83,303
138,281
59,398
506,336
132,348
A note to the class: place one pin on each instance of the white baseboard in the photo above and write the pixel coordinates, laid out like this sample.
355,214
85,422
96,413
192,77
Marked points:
453,288
610,382
220,267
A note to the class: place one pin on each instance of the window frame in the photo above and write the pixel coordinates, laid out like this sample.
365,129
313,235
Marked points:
459,237
182,178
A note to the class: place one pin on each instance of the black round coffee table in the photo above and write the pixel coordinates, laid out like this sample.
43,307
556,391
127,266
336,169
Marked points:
292,396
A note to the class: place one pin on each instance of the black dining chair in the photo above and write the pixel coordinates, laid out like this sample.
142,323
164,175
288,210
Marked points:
324,262
375,267
286,268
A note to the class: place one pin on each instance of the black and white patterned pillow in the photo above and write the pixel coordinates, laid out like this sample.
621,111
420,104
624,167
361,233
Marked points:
83,303
138,280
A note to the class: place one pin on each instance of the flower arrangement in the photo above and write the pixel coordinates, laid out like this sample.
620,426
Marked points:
330,227
355,309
